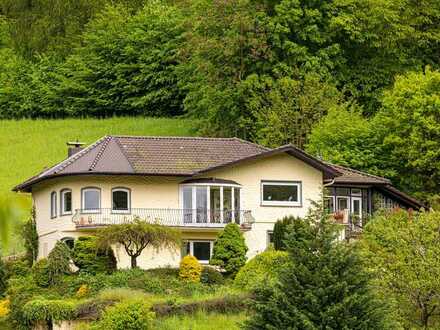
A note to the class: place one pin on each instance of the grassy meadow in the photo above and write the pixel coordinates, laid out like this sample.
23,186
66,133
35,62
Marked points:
27,146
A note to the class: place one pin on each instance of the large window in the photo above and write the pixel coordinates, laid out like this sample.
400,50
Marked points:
281,193
66,201
202,250
204,203
53,204
91,200
121,200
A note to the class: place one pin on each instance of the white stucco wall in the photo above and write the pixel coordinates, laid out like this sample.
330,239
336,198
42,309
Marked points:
163,192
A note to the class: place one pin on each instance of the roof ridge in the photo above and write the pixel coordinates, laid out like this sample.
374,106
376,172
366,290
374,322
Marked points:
145,137
105,143
68,161
118,143
361,172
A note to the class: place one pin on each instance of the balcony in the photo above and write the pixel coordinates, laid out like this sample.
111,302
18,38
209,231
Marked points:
353,223
186,218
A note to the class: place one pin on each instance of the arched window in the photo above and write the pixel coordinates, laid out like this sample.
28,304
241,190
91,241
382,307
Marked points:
70,242
91,200
53,204
121,200
66,201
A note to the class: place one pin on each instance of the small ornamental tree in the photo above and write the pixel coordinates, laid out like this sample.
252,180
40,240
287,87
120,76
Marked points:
91,259
279,231
323,286
138,235
230,249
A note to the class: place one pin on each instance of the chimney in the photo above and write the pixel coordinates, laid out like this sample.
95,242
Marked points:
74,147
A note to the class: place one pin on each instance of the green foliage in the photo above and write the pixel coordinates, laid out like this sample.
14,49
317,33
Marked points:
30,238
40,272
17,267
401,142
49,310
90,259
58,262
280,230
211,276
20,291
190,269
126,315
286,109
125,64
402,249
229,249
323,286
261,270
136,236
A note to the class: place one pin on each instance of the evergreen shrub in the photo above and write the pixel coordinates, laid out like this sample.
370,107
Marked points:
211,276
91,259
263,269
230,249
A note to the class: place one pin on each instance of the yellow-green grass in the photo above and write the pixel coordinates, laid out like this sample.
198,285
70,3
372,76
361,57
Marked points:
27,146
201,321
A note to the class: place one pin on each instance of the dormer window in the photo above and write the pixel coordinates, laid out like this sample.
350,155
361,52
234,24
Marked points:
53,204
66,201
121,200
91,200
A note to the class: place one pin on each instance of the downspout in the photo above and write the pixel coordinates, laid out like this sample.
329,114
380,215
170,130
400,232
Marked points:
330,183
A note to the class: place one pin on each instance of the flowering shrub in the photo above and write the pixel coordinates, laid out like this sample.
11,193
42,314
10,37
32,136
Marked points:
190,269
82,291
4,307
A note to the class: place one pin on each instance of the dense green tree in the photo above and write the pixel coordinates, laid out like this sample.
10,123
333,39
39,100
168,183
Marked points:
229,249
125,64
324,285
285,110
51,26
408,125
402,250
401,142
280,230
58,262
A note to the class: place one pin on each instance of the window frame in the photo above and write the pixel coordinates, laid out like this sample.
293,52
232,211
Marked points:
53,205
91,211
128,191
62,204
193,186
297,184
191,248
269,233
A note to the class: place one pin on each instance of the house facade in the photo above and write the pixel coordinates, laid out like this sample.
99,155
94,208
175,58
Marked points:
197,185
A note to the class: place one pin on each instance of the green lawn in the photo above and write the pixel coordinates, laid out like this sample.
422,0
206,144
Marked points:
201,321
27,146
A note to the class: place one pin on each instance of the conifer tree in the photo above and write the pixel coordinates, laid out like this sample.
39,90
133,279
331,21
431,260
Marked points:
323,287
230,249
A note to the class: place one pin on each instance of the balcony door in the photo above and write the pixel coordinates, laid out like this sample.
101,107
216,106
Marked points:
210,204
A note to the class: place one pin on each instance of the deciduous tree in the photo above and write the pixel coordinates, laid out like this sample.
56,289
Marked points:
137,236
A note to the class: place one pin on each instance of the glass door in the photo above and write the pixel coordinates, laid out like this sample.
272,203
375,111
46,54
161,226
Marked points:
356,210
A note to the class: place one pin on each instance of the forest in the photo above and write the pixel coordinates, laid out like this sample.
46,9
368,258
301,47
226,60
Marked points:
355,82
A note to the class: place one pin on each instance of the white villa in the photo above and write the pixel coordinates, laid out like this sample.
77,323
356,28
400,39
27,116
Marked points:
197,185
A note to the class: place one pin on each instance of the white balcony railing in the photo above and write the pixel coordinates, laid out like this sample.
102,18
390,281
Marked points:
166,217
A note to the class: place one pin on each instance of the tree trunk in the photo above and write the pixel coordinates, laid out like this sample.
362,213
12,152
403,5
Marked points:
133,262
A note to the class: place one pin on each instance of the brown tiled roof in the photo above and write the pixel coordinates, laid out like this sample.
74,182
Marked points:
166,156
352,176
